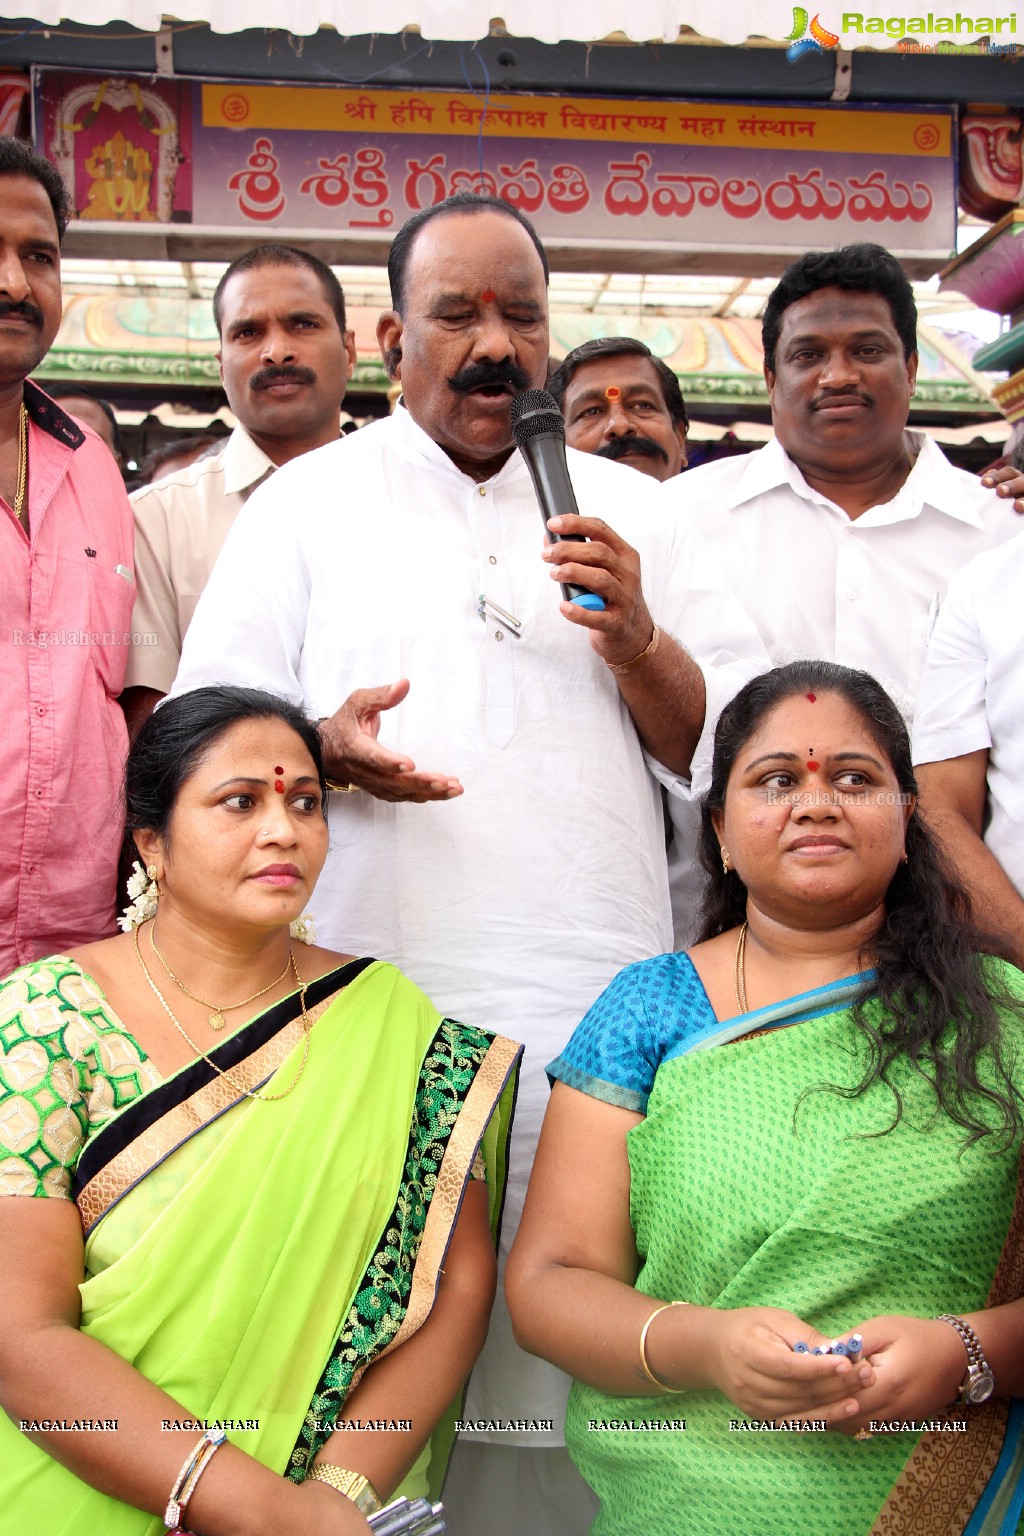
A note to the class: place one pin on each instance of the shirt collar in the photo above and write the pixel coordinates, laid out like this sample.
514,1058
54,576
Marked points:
932,482
47,415
765,470
244,462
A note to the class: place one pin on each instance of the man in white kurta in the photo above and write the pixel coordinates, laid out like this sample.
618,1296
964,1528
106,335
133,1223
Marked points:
514,904
514,901
969,737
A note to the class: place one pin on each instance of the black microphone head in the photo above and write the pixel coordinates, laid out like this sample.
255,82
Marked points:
533,413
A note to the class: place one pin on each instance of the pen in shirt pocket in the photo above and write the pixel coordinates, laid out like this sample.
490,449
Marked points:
122,570
933,613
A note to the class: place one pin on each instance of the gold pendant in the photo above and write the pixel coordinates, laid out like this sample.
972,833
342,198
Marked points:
216,1020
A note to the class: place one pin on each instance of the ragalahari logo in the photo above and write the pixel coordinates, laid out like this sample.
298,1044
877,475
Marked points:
807,37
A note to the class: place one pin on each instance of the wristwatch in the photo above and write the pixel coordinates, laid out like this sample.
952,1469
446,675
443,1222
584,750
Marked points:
352,1484
978,1383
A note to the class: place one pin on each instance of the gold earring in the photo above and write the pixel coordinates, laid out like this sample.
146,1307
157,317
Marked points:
151,871
725,860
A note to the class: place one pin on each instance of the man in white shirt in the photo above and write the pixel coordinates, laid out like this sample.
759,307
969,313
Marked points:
969,736
841,535
416,547
285,359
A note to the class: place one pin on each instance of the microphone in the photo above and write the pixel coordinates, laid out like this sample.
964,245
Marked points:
539,431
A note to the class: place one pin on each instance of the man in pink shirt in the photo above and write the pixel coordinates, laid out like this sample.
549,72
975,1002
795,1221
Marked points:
65,605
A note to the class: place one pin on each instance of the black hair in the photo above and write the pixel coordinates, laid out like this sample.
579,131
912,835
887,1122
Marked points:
938,993
460,202
20,159
190,446
272,255
858,269
64,390
173,741
619,346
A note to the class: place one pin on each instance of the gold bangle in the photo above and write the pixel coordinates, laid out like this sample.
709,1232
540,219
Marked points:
352,1484
662,1386
648,650
186,1480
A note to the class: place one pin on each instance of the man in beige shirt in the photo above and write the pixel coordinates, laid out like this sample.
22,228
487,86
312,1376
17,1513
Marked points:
285,359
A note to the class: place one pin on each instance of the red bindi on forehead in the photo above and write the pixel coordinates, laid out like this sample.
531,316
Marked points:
488,296
613,392
279,782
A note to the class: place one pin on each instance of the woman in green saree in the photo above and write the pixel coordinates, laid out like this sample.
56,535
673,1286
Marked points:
807,1127
269,1177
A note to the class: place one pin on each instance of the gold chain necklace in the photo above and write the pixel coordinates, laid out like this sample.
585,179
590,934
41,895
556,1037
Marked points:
217,1020
250,1093
22,490
741,970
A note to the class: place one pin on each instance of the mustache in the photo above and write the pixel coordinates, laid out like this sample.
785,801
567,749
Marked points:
286,374
480,375
25,308
639,447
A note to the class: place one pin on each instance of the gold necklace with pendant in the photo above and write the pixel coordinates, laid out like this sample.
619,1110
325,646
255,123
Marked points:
249,1093
217,1019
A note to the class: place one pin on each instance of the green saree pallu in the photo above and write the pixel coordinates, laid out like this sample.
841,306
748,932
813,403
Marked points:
252,1258
752,1185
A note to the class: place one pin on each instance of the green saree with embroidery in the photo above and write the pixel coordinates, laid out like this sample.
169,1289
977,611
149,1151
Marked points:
252,1258
751,1184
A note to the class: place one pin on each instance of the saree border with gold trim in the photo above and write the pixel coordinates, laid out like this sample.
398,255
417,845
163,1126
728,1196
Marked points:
434,1088
146,1132
400,1283
398,1287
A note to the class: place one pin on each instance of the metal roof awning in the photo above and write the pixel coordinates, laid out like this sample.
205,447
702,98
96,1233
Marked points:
883,25
561,49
